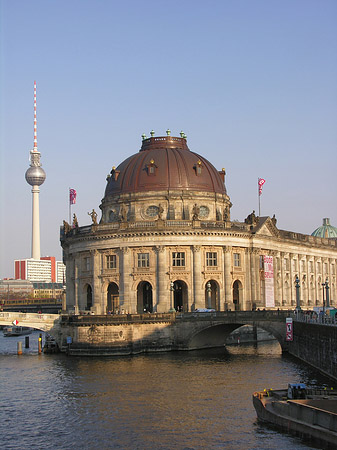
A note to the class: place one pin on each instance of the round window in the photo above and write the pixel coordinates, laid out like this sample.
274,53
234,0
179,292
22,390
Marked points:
152,211
203,211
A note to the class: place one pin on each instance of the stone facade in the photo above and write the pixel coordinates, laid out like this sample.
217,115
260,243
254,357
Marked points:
165,240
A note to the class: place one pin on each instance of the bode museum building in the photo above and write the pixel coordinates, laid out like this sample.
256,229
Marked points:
165,241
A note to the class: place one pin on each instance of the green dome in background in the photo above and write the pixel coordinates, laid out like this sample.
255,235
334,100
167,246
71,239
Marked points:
326,230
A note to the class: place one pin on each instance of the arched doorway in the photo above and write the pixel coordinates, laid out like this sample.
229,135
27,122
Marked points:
180,296
237,290
89,298
144,297
212,295
113,299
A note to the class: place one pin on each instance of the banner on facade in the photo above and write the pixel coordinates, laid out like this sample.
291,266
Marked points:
269,281
289,329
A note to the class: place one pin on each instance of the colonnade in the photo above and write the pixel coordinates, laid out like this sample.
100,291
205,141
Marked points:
196,275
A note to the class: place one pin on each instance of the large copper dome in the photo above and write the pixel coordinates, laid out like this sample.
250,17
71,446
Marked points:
165,163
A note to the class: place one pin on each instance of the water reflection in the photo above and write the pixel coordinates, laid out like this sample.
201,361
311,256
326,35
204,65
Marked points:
178,400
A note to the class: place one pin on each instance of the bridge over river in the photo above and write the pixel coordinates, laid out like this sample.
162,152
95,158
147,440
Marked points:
313,341
135,333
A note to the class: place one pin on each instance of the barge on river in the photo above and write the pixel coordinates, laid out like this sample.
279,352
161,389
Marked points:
311,413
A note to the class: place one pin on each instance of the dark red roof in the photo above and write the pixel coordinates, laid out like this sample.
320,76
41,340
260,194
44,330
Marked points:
165,163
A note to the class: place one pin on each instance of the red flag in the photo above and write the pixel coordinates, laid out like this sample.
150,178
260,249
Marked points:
261,182
72,196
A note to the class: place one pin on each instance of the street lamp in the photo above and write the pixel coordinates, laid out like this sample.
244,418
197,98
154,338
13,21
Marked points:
327,293
209,293
323,286
297,286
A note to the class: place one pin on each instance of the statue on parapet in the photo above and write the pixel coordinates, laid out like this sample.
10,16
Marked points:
195,212
123,213
251,219
75,221
93,215
274,220
66,227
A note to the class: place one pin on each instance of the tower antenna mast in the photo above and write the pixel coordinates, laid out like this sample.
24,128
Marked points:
35,129
35,176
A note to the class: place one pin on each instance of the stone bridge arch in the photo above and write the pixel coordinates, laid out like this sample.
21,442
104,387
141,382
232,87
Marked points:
215,334
41,322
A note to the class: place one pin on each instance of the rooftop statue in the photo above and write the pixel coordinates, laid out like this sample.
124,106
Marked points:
93,216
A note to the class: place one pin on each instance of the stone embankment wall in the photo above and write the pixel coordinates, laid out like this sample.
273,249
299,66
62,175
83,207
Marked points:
117,339
316,345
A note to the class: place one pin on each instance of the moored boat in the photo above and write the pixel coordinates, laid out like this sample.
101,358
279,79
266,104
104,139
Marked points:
16,331
309,412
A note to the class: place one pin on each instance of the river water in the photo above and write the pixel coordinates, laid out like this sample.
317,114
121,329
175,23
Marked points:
178,400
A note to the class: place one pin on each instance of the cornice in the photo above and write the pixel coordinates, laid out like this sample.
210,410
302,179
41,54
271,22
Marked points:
221,233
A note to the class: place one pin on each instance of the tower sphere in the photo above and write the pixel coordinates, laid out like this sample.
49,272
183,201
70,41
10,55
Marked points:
35,176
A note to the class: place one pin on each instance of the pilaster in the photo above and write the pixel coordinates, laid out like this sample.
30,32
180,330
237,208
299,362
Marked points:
163,299
97,303
198,295
77,285
228,277
125,280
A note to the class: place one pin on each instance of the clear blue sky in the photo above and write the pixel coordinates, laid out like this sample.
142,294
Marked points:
253,84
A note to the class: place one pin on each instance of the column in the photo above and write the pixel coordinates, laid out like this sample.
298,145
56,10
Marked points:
125,280
277,268
97,304
255,280
228,277
316,292
282,302
306,278
163,292
221,298
247,292
300,277
332,282
199,295
76,285
291,282
274,254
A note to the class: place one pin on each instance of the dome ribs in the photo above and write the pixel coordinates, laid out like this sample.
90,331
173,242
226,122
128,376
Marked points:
174,169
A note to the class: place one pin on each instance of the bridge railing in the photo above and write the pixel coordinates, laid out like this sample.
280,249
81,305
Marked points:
237,315
243,316
117,318
314,318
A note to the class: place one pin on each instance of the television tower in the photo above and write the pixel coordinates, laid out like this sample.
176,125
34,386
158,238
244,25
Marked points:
35,176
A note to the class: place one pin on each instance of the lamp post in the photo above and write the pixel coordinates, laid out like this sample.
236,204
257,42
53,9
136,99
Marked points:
297,286
327,293
323,286
209,293
171,296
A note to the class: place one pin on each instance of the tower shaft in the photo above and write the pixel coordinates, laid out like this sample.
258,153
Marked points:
36,253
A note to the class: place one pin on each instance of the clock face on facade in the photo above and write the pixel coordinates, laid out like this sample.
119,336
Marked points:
152,211
203,211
